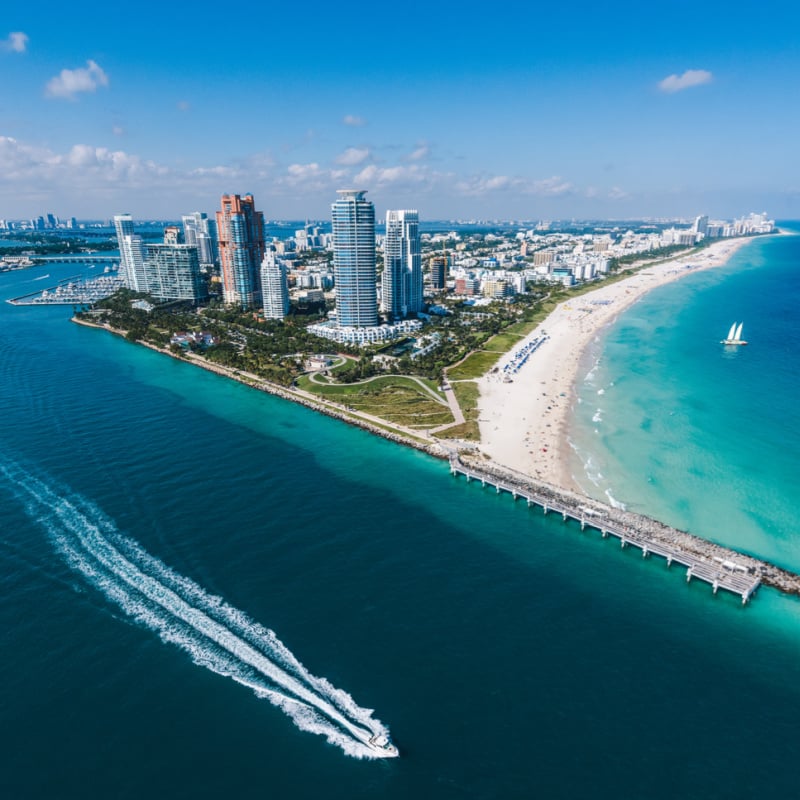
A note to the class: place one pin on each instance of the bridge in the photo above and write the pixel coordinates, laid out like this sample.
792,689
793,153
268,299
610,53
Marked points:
718,566
85,259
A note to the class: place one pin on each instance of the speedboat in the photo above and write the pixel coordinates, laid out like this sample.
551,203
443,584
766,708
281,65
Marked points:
382,745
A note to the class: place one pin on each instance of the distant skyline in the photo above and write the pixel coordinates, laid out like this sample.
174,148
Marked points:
527,112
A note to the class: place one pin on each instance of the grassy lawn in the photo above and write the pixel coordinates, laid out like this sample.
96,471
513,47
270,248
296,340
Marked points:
393,398
467,394
502,342
474,366
387,381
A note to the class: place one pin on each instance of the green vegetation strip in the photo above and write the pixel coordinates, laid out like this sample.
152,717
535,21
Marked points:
473,366
393,398
467,394
389,381
502,342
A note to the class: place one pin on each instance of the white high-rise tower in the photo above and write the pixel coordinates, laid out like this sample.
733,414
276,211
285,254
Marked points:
274,288
401,283
353,220
131,254
200,231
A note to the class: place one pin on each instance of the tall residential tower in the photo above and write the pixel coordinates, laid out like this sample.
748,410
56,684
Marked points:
274,288
401,284
200,231
354,259
240,229
131,254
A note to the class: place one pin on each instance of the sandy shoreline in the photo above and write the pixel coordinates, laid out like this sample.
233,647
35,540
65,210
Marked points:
524,423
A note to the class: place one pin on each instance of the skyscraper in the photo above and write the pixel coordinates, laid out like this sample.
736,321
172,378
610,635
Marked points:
354,259
274,289
131,254
240,231
438,273
200,231
401,284
173,272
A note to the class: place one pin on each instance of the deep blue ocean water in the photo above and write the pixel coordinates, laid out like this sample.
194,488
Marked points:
509,654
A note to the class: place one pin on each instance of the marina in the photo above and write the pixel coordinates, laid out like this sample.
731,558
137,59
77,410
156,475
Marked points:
720,567
75,290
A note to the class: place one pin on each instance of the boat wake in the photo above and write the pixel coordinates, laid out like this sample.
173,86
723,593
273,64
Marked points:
217,636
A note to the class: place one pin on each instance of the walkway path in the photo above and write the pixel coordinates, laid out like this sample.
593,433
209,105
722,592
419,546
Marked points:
434,396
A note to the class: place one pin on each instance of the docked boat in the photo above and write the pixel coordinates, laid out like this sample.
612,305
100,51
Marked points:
734,335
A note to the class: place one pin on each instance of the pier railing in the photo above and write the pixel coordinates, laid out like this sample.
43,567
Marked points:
718,566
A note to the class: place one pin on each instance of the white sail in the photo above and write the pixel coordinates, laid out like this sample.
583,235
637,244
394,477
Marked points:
738,336
732,331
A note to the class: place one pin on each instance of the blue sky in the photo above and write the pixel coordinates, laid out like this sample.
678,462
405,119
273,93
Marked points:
511,111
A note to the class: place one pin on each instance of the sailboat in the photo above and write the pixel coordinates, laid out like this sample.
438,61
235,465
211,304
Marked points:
734,335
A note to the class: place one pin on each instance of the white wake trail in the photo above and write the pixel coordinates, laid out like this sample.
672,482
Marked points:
185,615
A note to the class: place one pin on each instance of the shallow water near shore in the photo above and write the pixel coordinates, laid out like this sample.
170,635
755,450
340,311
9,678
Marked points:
702,435
509,654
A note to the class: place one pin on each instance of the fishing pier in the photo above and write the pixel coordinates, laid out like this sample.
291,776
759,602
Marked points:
720,567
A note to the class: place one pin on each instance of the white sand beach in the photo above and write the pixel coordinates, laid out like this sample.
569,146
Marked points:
524,422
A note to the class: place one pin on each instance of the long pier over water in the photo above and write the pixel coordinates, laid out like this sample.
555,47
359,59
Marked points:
718,566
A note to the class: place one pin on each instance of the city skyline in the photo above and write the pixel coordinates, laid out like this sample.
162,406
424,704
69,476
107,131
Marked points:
526,113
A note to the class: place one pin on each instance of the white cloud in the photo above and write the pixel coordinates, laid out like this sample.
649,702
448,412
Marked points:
354,121
183,105
80,167
420,153
551,187
353,156
381,176
71,81
692,77
229,173
303,172
101,178
17,42
118,130
478,185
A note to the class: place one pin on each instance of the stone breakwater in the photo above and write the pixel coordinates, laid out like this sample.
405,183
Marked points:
255,382
650,530
286,394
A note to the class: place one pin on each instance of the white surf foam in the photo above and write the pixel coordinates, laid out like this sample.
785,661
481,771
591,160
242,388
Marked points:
215,635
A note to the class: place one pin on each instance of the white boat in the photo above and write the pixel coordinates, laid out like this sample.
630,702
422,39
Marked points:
379,743
734,335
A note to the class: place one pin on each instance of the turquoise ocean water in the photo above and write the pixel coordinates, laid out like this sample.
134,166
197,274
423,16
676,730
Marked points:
705,436
157,522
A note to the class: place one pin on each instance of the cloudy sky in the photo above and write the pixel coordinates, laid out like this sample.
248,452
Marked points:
509,111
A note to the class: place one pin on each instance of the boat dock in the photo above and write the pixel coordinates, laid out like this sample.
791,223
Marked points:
720,567
76,290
